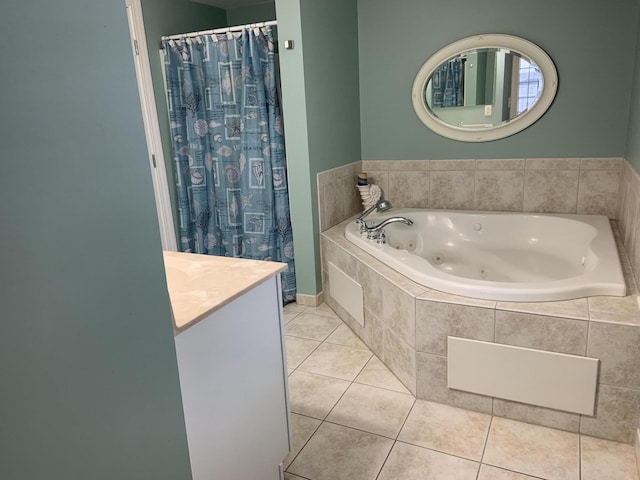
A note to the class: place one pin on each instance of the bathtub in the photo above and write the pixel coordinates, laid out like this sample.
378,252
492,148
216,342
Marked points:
500,256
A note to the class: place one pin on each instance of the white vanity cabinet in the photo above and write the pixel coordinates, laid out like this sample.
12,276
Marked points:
233,379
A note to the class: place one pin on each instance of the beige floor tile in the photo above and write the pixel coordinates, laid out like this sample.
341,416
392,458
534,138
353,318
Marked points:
290,315
446,429
533,450
372,409
301,430
314,395
408,462
313,327
344,336
375,373
605,460
487,472
340,453
336,361
290,371
323,309
289,476
294,307
298,349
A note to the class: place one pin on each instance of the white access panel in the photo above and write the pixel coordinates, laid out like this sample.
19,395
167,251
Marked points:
347,292
548,379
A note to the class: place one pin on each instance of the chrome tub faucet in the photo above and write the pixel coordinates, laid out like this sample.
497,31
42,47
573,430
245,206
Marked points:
377,233
380,206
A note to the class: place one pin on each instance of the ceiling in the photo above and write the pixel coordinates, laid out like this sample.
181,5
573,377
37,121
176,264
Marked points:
231,3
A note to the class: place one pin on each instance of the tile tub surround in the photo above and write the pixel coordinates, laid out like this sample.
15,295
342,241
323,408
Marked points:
338,197
532,185
629,224
406,325
629,215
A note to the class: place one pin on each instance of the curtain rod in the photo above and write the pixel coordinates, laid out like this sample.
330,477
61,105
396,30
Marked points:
236,28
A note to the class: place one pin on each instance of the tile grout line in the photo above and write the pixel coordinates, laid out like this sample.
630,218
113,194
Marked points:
578,186
308,355
305,444
382,388
484,448
524,185
431,449
333,422
323,420
579,456
442,452
326,376
395,441
415,400
528,475
385,459
373,355
351,382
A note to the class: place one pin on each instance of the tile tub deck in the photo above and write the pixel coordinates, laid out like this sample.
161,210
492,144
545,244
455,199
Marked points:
407,325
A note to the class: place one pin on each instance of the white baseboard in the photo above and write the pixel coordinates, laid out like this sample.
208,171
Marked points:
310,300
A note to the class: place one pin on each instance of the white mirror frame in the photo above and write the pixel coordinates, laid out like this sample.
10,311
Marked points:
517,44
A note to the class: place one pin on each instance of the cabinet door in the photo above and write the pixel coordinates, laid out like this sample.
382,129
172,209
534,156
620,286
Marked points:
233,382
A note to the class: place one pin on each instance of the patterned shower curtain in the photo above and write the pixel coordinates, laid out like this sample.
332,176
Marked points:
228,144
447,84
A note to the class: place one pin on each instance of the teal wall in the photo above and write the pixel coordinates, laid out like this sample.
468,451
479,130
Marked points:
88,371
321,111
252,14
633,136
301,198
588,117
169,17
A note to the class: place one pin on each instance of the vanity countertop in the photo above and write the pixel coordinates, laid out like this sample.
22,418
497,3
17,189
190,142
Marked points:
201,284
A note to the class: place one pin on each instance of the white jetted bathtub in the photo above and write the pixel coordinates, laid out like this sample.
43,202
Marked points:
500,256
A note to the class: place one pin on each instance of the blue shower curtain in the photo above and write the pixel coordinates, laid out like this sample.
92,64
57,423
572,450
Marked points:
447,84
228,144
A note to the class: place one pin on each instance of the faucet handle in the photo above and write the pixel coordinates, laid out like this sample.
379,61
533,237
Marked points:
376,234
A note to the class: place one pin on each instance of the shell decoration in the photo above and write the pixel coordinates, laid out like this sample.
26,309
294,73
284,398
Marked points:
370,194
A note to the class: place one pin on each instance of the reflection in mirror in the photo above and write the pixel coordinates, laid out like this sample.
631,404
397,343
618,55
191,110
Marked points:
484,88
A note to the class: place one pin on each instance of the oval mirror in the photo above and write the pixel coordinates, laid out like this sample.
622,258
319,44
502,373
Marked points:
484,87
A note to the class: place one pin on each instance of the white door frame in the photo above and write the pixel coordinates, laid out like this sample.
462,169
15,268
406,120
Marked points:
151,126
